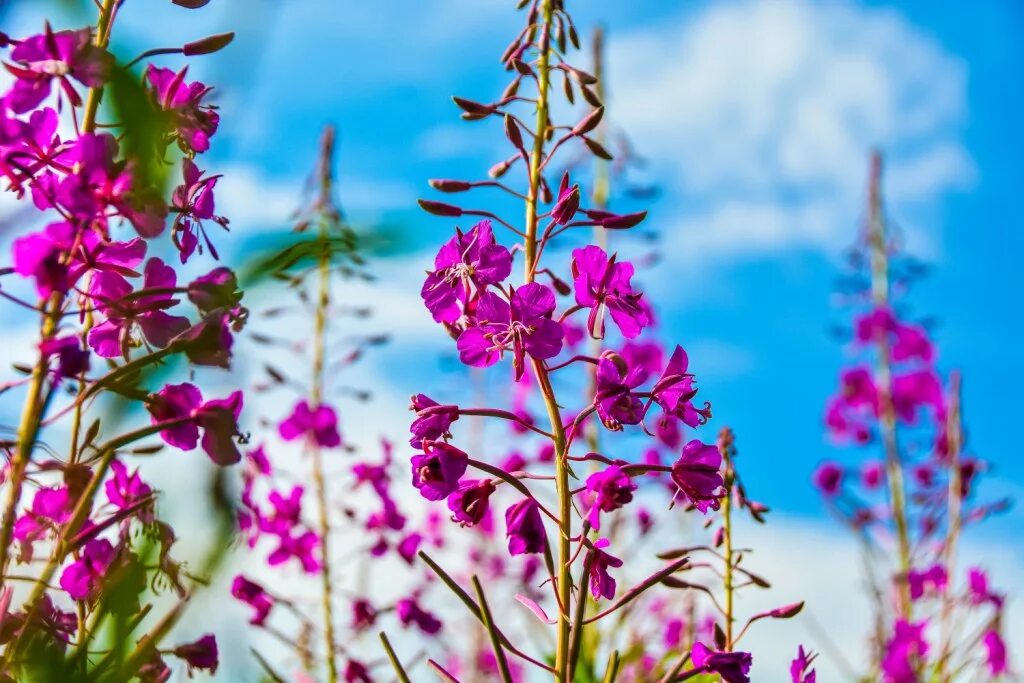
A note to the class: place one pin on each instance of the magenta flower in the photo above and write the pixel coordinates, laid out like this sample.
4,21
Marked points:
411,614
674,391
194,121
828,478
253,595
63,55
616,403
216,290
319,425
612,488
800,670
209,341
696,475
364,615
469,502
436,472
525,529
51,506
201,655
82,579
193,203
217,419
286,512
433,421
847,415
464,267
356,672
904,649
603,284
915,389
408,547
113,295
733,667
301,546
72,359
524,326
124,490
906,342
978,589
602,585
995,653
643,357
872,474
40,256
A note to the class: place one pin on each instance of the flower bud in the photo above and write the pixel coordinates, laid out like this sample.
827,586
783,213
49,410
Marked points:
513,133
596,148
568,202
444,185
439,208
208,45
589,122
191,4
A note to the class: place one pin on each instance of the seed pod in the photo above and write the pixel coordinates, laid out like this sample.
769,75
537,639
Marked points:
445,185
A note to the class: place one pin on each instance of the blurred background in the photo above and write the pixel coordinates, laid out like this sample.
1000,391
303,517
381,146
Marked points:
754,119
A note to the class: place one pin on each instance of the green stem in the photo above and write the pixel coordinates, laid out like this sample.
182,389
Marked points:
728,574
883,381
954,440
317,392
396,663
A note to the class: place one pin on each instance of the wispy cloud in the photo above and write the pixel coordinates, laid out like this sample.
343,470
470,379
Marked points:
761,114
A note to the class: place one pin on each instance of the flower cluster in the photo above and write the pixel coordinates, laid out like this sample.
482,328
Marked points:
290,525
897,398
82,518
639,398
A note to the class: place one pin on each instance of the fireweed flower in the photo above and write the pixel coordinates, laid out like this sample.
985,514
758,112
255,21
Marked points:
61,56
800,670
733,667
469,503
194,122
201,655
192,201
124,490
696,474
847,414
464,267
436,472
81,579
603,284
411,614
611,489
995,653
433,421
253,595
113,295
319,425
616,403
674,391
72,359
828,479
525,529
907,342
602,585
217,420
523,325
903,651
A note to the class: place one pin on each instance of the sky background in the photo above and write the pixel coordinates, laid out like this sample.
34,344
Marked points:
756,118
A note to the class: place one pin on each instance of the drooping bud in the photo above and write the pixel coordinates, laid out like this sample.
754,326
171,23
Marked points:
589,122
568,202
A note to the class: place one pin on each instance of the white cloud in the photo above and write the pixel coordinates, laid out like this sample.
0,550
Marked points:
763,112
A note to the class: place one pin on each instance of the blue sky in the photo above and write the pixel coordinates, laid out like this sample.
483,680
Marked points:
756,117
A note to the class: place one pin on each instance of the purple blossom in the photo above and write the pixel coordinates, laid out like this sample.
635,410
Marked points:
995,653
616,403
72,359
525,529
828,478
464,267
201,655
81,579
217,419
436,472
602,585
433,421
524,326
906,647
733,667
674,391
113,295
319,425
611,488
62,55
469,502
253,595
931,581
411,614
300,546
696,474
602,284
124,490
800,670
194,122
